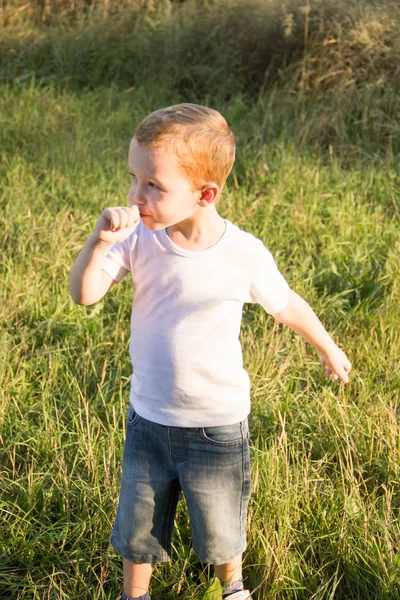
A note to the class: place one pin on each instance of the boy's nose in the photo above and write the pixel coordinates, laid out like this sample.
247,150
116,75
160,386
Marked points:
136,197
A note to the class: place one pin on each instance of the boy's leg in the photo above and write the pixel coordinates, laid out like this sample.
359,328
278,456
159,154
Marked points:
230,576
136,578
147,503
216,481
231,571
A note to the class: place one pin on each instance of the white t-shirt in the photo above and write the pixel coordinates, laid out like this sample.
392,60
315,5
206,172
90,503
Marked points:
186,316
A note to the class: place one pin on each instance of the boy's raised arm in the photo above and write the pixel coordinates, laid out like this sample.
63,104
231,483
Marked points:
88,282
300,317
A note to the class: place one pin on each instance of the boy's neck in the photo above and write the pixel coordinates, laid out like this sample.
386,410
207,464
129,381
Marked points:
198,233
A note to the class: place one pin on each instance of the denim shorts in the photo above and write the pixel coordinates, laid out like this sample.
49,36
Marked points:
211,465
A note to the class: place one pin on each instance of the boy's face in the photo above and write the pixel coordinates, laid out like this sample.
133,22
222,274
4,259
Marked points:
163,195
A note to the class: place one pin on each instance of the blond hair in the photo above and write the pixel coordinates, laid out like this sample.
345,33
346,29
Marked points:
199,136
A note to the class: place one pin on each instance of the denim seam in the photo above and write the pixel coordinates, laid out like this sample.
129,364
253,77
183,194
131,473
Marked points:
145,558
167,527
229,444
241,499
170,455
218,560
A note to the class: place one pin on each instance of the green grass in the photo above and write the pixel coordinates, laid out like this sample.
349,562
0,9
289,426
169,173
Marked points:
317,178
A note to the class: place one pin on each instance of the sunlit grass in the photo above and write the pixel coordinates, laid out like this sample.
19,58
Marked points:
316,179
324,513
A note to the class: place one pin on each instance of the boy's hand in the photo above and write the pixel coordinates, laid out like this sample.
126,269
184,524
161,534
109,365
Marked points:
337,363
301,318
116,223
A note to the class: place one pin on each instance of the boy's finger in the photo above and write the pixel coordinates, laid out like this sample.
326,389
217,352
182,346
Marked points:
345,370
113,218
123,218
335,376
133,216
133,210
342,376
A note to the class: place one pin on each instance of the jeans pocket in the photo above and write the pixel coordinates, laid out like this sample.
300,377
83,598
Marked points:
133,417
224,435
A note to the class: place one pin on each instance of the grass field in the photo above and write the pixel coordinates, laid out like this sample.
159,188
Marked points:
317,179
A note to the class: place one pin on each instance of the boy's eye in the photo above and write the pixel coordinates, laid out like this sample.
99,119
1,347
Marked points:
153,185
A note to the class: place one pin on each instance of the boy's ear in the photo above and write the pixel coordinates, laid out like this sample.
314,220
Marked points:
209,193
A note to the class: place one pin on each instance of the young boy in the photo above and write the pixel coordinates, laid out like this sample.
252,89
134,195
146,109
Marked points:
192,271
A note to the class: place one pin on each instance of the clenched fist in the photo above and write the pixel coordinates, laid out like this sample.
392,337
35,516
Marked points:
115,224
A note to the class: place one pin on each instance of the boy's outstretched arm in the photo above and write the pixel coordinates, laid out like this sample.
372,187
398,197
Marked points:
88,282
300,317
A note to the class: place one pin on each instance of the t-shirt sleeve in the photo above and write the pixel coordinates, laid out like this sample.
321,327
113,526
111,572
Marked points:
268,286
117,262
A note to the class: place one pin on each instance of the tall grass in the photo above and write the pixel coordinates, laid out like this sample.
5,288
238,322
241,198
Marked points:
206,48
317,179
